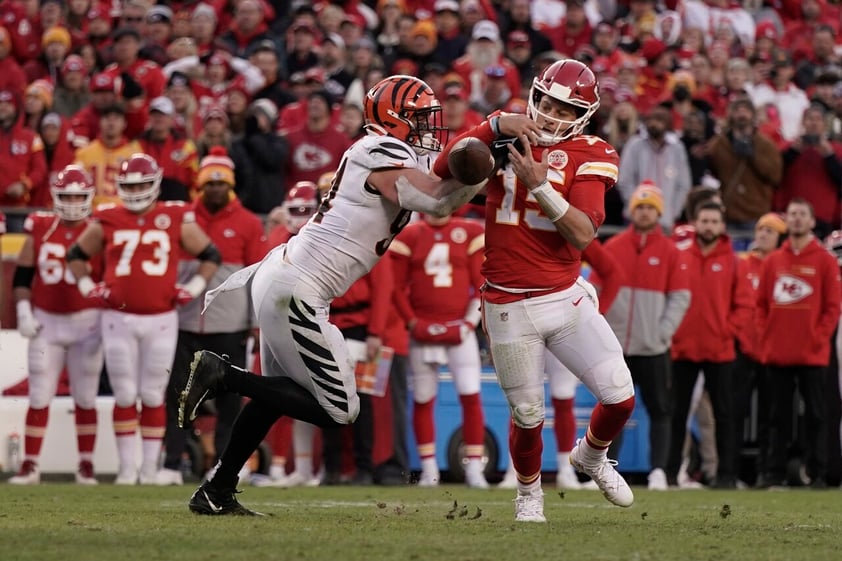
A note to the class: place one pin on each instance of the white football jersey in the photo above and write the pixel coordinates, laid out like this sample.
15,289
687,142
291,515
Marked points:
355,224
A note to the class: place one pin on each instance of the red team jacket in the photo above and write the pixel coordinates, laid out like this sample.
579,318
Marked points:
749,336
141,255
581,169
720,305
367,303
54,288
798,305
437,269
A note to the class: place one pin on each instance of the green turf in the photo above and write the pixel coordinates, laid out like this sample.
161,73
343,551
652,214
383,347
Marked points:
71,523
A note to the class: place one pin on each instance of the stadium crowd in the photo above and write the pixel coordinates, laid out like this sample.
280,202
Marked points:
725,114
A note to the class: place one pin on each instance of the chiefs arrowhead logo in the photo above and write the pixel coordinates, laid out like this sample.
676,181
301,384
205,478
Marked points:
790,289
435,329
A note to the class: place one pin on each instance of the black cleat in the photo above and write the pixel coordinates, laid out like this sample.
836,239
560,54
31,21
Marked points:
218,502
204,381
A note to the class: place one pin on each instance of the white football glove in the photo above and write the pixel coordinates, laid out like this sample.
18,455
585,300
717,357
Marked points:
28,326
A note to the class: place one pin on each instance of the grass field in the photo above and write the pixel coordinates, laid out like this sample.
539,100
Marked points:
71,523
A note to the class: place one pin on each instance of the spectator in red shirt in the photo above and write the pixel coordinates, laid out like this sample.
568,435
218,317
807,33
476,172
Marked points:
798,309
248,29
456,114
485,49
174,152
55,44
653,81
12,77
58,151
574,31
720,306
203,28
22,164
318,145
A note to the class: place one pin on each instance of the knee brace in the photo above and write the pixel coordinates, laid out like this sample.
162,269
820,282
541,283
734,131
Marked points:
527,407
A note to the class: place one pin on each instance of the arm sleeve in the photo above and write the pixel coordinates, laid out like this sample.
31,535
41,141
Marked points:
383,152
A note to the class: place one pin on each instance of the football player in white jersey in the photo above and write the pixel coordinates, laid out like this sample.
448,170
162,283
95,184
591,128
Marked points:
307,373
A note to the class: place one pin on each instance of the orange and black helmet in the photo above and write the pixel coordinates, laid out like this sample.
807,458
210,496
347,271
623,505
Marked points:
405,107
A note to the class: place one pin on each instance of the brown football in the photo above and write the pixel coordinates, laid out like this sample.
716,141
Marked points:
470,160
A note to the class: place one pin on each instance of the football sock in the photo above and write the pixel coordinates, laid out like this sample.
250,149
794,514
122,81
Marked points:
302,439
278,392
152,427
473,425
607,420
85,432
424,427
125,430
565,424
249,430
526,446
36,427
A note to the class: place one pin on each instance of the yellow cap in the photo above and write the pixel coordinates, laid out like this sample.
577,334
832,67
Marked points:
647,193
773,221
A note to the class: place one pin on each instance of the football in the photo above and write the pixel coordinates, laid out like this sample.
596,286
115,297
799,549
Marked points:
470,161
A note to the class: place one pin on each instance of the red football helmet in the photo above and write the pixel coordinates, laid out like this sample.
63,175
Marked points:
301,203
833,242
405,107
73,193
139,169
570,82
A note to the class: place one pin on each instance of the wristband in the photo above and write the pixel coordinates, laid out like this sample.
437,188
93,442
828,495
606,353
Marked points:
24,309
494,123
85,285
196,286
551,201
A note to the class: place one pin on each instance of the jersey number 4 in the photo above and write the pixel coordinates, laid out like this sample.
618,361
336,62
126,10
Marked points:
131,239
437,265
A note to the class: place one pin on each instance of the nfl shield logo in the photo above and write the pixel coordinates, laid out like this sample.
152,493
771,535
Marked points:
504,316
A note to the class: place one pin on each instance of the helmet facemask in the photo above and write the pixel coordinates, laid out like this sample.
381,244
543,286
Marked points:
73,210
428,134
563,129
136,201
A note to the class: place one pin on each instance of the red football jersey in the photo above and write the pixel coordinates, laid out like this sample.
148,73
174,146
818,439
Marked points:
54,287
141,255
523,250
440,267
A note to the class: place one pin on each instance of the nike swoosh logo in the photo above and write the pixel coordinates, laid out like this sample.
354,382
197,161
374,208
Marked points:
211,504
576,302
609,151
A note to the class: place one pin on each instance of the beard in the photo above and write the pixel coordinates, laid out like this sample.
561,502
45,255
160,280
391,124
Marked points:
707,238
483,56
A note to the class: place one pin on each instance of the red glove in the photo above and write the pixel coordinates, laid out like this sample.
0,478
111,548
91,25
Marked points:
449,333
182,296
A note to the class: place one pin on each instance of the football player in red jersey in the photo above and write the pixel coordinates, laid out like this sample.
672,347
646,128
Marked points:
542,210
438,260
62,327
140,241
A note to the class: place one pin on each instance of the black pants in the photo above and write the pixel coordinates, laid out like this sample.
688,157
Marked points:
748,377
718,381
227,404
653,377
810,382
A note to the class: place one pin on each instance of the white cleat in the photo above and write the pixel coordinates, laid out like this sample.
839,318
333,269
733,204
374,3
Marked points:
509,481
296,479
429,479
27,475
126,477
166,477
566,479
602,471
657,480
474,476
530,507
